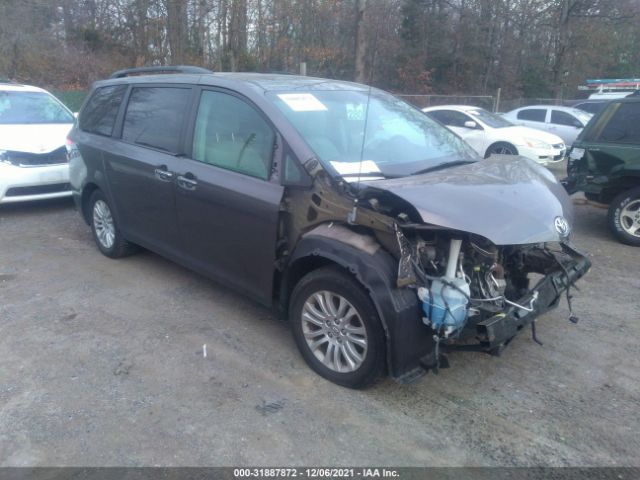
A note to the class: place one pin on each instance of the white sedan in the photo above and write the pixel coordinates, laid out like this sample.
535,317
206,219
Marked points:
566,122
488,134
33,156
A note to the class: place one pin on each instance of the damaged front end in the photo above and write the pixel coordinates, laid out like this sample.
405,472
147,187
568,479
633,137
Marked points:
473,292
449,258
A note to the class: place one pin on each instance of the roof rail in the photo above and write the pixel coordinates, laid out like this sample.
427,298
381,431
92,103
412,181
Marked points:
164,69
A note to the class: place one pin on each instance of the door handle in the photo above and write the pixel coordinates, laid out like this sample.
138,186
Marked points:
187,183
163,174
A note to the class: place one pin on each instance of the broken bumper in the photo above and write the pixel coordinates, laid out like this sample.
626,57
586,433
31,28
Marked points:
496,331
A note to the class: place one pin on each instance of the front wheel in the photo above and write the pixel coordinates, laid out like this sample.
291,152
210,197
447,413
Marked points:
337,329
501,148
624,217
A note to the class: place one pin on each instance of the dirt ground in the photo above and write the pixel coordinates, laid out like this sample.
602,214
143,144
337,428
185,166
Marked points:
101,364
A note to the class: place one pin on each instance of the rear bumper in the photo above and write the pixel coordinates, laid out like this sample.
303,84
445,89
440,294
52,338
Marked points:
570,185
499,329
19,184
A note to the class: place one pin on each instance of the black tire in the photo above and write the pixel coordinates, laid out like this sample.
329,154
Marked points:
501,148
339,282
615,219
119,247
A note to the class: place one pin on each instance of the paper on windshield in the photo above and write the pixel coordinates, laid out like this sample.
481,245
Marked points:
351,171
302,102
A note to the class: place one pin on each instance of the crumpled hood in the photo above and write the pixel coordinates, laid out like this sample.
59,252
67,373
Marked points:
33,138
508,200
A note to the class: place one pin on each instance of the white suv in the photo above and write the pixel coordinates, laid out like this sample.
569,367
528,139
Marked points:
33,157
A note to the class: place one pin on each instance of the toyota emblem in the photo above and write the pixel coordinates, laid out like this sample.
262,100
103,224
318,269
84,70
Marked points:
562,226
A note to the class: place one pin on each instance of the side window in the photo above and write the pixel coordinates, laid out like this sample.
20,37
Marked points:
624,125
230,134
559,117
451,118
533,114
292,171
155,116
99,114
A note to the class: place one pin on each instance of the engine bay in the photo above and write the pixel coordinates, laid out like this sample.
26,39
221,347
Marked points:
465,281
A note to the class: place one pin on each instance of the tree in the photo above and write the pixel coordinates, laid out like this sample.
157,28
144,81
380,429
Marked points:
177,30
361,42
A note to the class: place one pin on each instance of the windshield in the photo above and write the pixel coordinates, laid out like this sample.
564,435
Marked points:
399,139
32,108
490,119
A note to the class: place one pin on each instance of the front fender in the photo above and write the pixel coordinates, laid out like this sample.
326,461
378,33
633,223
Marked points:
408,339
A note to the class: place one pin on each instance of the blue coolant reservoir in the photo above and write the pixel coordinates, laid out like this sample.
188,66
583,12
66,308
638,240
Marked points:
444,305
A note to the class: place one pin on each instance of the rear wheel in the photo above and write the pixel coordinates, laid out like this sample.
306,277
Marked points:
337,329
501,148
106,233
624,217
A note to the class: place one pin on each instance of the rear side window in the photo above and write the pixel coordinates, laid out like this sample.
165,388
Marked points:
155,117
559,117
532,114
624,126
99,114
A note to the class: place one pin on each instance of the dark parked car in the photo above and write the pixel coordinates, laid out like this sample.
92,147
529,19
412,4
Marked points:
604,163
376,231
593,106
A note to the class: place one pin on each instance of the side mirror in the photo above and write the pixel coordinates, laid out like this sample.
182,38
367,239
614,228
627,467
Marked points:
470,124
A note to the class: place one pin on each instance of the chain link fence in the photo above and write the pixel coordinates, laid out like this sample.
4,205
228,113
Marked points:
71,98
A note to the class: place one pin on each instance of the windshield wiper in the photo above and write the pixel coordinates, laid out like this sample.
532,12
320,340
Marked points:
443,165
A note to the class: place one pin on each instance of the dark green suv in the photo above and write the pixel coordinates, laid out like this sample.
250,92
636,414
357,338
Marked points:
604,163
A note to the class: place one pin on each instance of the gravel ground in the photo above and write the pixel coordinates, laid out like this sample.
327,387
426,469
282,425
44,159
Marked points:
102,364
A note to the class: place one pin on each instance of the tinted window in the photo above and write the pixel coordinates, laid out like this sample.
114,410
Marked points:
229,133
591,107
32,108
563,118
624,126
99,114
451,118
155,116
532,114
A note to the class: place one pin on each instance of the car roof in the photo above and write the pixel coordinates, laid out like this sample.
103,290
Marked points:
582,102
256,81
16,87
565,108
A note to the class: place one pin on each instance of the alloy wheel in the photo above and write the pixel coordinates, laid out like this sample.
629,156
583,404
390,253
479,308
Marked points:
630,218
103,224
334,331
503,150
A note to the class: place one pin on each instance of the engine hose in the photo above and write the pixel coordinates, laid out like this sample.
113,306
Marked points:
424,277
572,318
